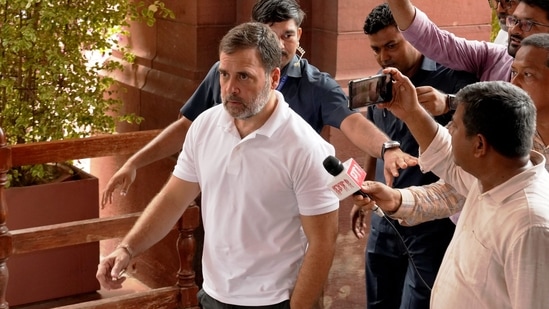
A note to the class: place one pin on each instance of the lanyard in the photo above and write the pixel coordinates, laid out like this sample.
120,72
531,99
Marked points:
282,82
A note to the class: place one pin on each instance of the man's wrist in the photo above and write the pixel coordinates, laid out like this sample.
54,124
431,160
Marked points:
398,203
451,103
388,145
127,249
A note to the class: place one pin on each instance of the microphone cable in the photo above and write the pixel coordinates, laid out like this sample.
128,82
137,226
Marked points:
410,257
377,210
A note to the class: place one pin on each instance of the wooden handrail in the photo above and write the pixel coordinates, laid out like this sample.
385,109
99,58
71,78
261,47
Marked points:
80,148
162,298
181,295
71,233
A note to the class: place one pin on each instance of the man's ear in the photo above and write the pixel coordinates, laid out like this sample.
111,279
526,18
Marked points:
275,78
480,146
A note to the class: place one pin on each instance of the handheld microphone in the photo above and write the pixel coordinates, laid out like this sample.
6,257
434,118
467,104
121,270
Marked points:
348,179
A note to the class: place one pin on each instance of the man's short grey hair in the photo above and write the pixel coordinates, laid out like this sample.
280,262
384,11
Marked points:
254,35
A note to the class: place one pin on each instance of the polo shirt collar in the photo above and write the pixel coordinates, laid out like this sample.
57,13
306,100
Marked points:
293,69
518,182
428,64
277,119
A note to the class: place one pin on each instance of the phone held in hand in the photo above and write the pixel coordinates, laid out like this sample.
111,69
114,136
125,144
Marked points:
370,90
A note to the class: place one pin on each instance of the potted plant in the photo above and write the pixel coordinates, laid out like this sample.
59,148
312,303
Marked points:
55,84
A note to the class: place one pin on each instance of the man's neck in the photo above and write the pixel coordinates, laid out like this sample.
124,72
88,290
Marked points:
542,126
501,170
411,71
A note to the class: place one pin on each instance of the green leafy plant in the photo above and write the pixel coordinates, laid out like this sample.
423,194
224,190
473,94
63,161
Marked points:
494,26
50,87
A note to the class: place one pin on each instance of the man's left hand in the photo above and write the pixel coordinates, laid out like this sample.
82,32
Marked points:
396,159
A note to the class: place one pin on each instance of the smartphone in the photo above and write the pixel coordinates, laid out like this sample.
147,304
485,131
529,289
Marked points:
370,90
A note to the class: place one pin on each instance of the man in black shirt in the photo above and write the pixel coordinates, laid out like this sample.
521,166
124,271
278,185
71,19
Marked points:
392,281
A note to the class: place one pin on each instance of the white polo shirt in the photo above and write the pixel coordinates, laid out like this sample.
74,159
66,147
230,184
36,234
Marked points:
253,193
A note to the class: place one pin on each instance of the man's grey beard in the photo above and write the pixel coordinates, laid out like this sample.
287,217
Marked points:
255,107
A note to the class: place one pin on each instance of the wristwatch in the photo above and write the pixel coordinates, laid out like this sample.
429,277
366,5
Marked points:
451,102
388,145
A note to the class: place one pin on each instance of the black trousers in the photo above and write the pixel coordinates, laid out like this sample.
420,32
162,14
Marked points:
392,282
207,302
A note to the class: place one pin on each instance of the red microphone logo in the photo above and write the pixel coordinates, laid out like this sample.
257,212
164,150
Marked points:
342,186
356,172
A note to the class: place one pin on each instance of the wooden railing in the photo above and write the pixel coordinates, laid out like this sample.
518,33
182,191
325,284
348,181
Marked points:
181,295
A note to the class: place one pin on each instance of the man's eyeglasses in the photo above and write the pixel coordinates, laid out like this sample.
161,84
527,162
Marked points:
506,4
525,24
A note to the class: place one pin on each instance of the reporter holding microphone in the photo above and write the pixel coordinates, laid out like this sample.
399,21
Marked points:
497,257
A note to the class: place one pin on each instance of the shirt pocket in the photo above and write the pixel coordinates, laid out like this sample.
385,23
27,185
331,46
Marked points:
474,262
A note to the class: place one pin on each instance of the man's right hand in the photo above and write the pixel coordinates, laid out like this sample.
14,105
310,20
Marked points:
405,104
122,179
387,198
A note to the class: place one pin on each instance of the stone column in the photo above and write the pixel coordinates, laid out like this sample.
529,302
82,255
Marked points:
172,58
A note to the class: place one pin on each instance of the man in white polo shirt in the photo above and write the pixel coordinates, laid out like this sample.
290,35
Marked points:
270,221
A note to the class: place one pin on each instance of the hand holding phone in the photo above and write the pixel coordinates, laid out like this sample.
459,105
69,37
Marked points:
370,90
